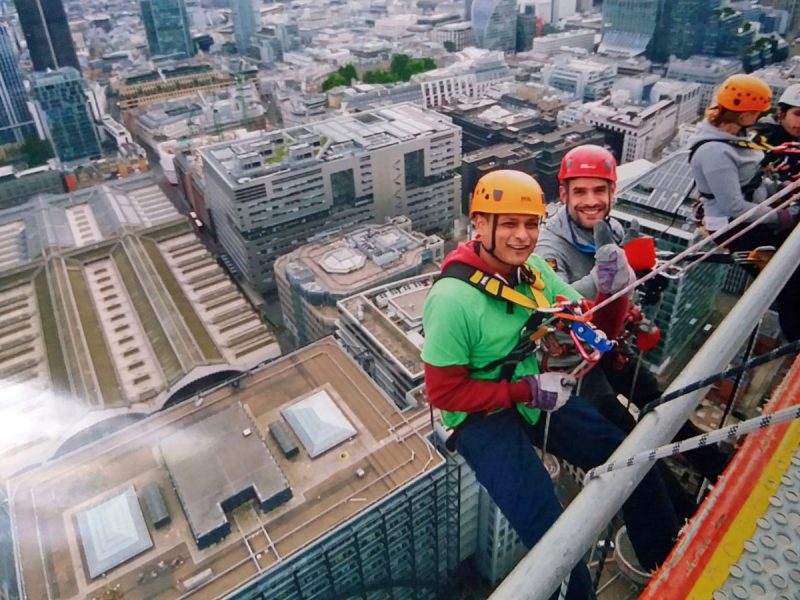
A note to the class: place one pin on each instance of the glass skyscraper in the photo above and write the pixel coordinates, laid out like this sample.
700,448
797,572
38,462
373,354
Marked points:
628,26
494,23
46,30
245,23
684,29
16,122
166,24
64,110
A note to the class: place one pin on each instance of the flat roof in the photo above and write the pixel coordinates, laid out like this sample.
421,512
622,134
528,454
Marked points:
392,316
357,260
112,302
389,451
112,531
216,459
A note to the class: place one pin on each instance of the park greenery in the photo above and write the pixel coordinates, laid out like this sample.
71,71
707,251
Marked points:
401,68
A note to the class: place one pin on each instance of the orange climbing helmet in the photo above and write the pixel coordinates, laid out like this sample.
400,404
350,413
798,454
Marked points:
744,93
508,192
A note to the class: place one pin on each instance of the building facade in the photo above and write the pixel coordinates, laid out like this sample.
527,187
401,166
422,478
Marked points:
245,23
658,200
44,24
628,26
578,38
709,72
63,108
585,79
166,24
268,195
470,77
631,131
16,122
494,23
312,278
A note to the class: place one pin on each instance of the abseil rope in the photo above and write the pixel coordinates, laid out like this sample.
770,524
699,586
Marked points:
693,249
790,348
699,441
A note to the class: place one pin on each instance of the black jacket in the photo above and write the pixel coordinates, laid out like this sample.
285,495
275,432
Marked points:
780,166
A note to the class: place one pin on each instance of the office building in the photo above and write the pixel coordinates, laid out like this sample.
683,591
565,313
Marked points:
500,156
708,71
576,38
246,21
166,83
380,509
16,187
548,149
63,110
631,131
584,79
16,122
488,122
648,89
471,76
455,36
658,200
120,308
685,28
366,96
527,27
314,277
166,24
494,23
628,26
269,194
44,24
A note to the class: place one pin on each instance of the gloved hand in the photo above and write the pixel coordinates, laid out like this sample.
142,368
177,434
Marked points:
611,271
549,391
788,217
632,232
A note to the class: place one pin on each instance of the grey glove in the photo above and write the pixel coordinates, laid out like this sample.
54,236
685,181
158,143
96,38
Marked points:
632,232
611,271
787,218
549,391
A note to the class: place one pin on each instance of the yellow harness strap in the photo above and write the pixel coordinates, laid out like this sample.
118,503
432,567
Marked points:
497,288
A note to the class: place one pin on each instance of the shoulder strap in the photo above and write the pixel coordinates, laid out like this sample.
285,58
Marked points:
746,144
495,287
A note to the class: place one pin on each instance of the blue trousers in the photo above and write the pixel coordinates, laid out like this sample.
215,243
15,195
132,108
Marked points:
499,448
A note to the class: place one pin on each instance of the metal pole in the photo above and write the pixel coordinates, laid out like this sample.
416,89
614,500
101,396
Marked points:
542,570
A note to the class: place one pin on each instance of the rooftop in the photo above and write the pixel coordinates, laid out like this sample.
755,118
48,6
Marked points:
317,142
387,453
357,260
392,316
109,302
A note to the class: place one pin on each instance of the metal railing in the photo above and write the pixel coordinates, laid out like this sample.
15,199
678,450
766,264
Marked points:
540,573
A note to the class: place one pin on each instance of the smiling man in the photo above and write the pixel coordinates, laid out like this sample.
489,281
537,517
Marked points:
588,181
783,128
483,375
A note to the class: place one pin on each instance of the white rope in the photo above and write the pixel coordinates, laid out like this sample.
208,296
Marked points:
793,188
699,441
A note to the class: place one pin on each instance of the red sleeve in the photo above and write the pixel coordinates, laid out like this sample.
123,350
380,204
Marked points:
451,388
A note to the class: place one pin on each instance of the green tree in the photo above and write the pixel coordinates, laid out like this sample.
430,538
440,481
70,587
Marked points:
449,46
348,71
401,66
333,80
36,151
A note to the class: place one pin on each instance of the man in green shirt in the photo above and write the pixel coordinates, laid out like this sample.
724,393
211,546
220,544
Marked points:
492,394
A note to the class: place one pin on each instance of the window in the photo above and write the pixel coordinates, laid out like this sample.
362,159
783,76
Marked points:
343,187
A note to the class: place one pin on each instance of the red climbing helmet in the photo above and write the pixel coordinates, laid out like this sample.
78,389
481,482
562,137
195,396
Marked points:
588,161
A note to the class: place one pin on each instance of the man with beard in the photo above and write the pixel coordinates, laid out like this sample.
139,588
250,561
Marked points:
588,181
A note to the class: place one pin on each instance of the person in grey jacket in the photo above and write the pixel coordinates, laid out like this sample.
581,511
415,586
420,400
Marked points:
726,167
587,185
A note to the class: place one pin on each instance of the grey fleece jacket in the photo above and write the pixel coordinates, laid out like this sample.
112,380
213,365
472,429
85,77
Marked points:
721,170
556,246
